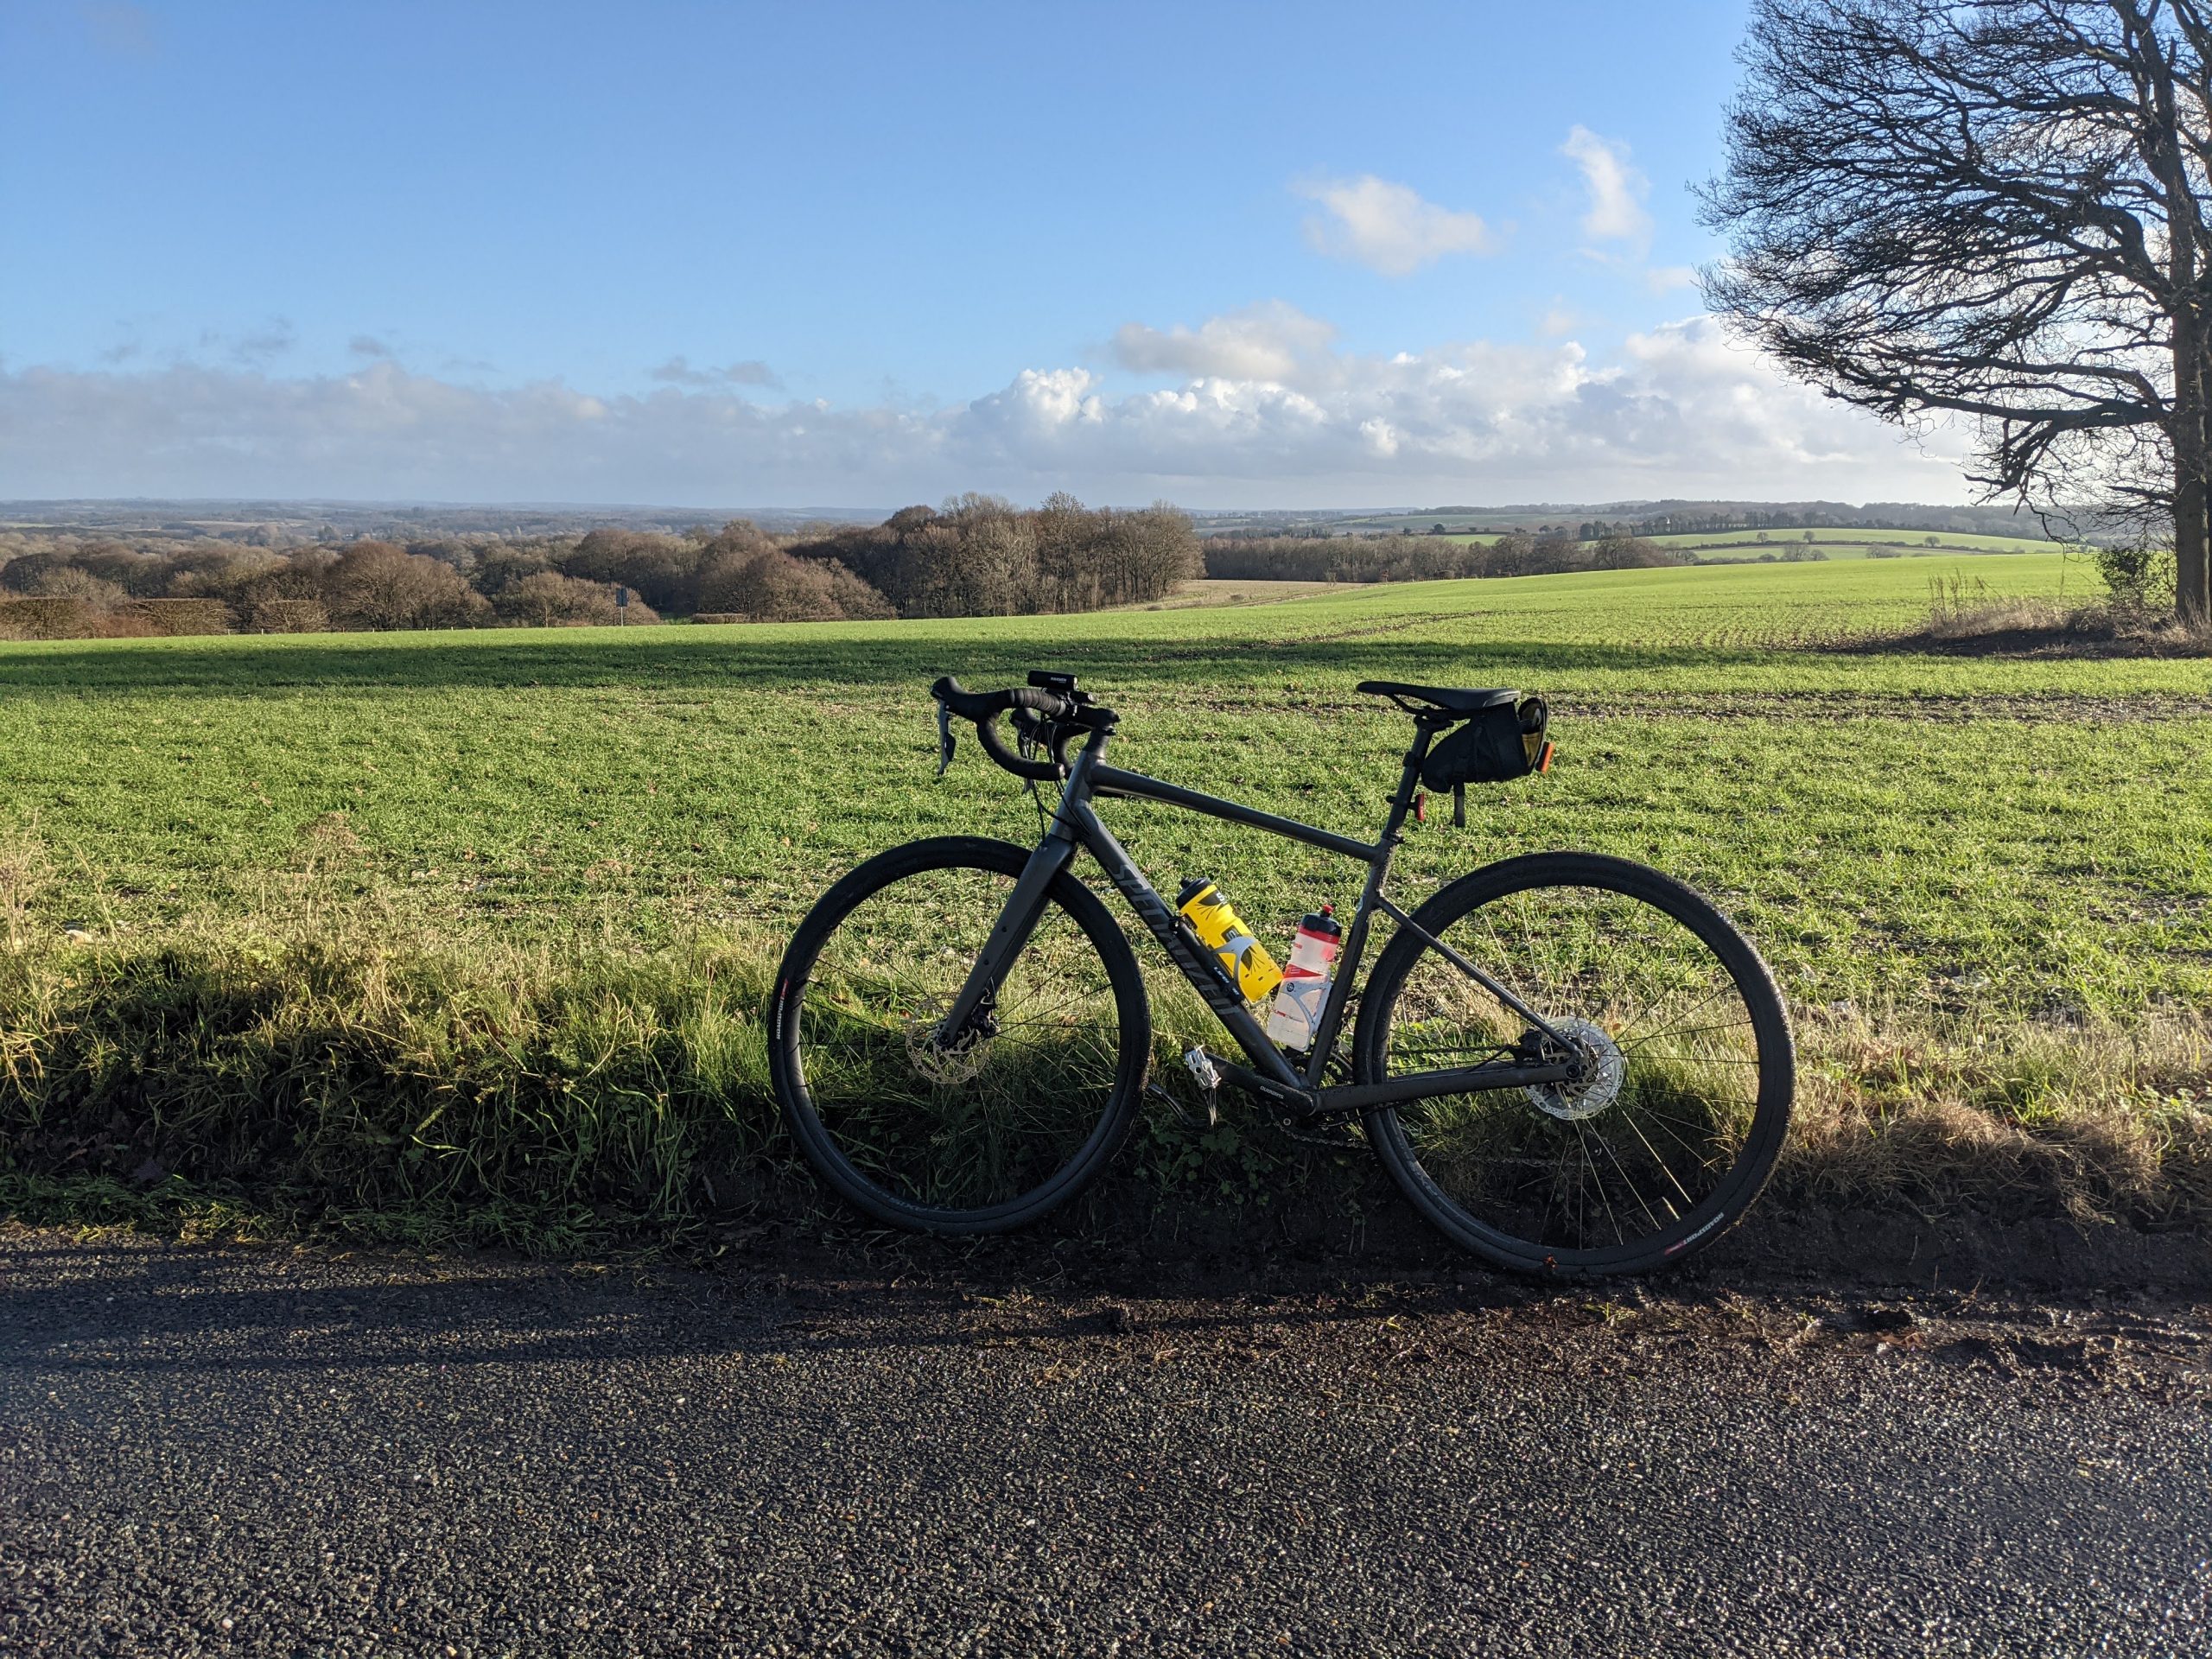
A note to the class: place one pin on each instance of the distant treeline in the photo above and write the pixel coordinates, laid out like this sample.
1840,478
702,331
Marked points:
977,556
1689,523
982,557
1423,558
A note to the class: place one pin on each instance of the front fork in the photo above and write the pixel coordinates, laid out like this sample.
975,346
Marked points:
1009,934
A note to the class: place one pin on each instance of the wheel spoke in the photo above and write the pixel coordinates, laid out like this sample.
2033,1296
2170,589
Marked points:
1684,1031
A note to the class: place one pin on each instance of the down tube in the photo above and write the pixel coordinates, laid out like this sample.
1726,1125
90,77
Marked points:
1160,921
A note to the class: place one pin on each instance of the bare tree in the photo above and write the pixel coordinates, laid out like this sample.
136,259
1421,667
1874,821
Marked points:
1994,209
72,581
663,570
771,586
549,599
375,585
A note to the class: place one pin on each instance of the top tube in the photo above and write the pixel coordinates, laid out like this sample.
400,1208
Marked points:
1112,780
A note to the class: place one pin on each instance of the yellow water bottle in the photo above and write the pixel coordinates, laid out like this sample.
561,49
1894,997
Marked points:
1216,925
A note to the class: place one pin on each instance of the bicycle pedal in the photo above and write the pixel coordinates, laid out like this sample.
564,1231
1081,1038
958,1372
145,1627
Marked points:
1200,1065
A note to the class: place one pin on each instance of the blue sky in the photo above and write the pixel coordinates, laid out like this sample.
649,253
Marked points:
859,254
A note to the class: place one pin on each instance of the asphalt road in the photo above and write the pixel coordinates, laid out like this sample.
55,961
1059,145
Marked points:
275,1451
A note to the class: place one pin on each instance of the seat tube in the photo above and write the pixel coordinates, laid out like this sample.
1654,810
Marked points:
1355,947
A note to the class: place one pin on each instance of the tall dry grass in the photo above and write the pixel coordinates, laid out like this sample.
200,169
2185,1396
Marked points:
1963,610
2097,1122
25,874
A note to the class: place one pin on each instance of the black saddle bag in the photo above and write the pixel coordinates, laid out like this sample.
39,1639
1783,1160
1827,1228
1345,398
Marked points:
1493,746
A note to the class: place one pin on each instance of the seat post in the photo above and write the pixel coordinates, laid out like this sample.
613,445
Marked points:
1426,727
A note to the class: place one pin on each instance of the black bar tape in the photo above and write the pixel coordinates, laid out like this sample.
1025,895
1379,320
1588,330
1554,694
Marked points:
969,705
984,708
1050,704
987,733
983,705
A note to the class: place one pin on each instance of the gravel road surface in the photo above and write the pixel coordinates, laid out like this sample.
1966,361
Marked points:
278,1451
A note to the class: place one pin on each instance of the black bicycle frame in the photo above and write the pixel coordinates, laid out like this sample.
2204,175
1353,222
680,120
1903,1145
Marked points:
1270,1074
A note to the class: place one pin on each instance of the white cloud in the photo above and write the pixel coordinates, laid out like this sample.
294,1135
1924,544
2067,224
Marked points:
1268,341
1388,227
1678,411
1617,191
1668,279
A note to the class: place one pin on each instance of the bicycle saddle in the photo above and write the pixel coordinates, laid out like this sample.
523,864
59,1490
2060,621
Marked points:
1452,702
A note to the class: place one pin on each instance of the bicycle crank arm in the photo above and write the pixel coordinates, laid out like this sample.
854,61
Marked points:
1300,1100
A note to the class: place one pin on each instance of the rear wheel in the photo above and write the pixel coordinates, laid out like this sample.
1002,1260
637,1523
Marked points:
978,1131
1683,1067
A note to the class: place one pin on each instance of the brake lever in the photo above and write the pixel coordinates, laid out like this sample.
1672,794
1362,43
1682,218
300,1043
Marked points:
943,740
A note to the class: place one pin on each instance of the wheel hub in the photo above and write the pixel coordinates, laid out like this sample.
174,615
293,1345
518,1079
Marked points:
1599,1069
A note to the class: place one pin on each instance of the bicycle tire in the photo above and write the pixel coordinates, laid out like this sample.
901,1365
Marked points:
874,1190
1563,1249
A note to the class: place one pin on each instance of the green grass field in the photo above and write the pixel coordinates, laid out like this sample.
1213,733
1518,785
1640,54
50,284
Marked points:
1979,879
2020,813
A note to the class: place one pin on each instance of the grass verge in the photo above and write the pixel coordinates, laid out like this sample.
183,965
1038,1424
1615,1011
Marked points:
562,1102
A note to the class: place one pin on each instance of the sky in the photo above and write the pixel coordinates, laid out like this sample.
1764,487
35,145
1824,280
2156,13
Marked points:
844,255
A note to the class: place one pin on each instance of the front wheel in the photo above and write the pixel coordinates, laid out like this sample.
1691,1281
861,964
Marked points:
974,1131
1682,1066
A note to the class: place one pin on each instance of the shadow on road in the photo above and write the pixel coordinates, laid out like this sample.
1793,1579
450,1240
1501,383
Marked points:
138,1305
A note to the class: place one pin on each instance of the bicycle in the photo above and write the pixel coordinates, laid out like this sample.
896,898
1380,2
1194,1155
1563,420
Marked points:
1571,1064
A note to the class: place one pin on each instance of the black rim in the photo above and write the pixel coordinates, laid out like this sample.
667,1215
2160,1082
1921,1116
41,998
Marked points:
968,1131
1668,1128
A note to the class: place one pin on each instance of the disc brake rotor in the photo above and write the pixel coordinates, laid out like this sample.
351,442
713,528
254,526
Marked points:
942,1064
1601,1068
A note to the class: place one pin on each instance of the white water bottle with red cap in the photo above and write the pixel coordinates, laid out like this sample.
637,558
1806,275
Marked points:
1296,1016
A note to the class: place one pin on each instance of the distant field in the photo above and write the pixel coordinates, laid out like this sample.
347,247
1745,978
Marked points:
1837,544
1489,525
1977,858
1913,540
1209,590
